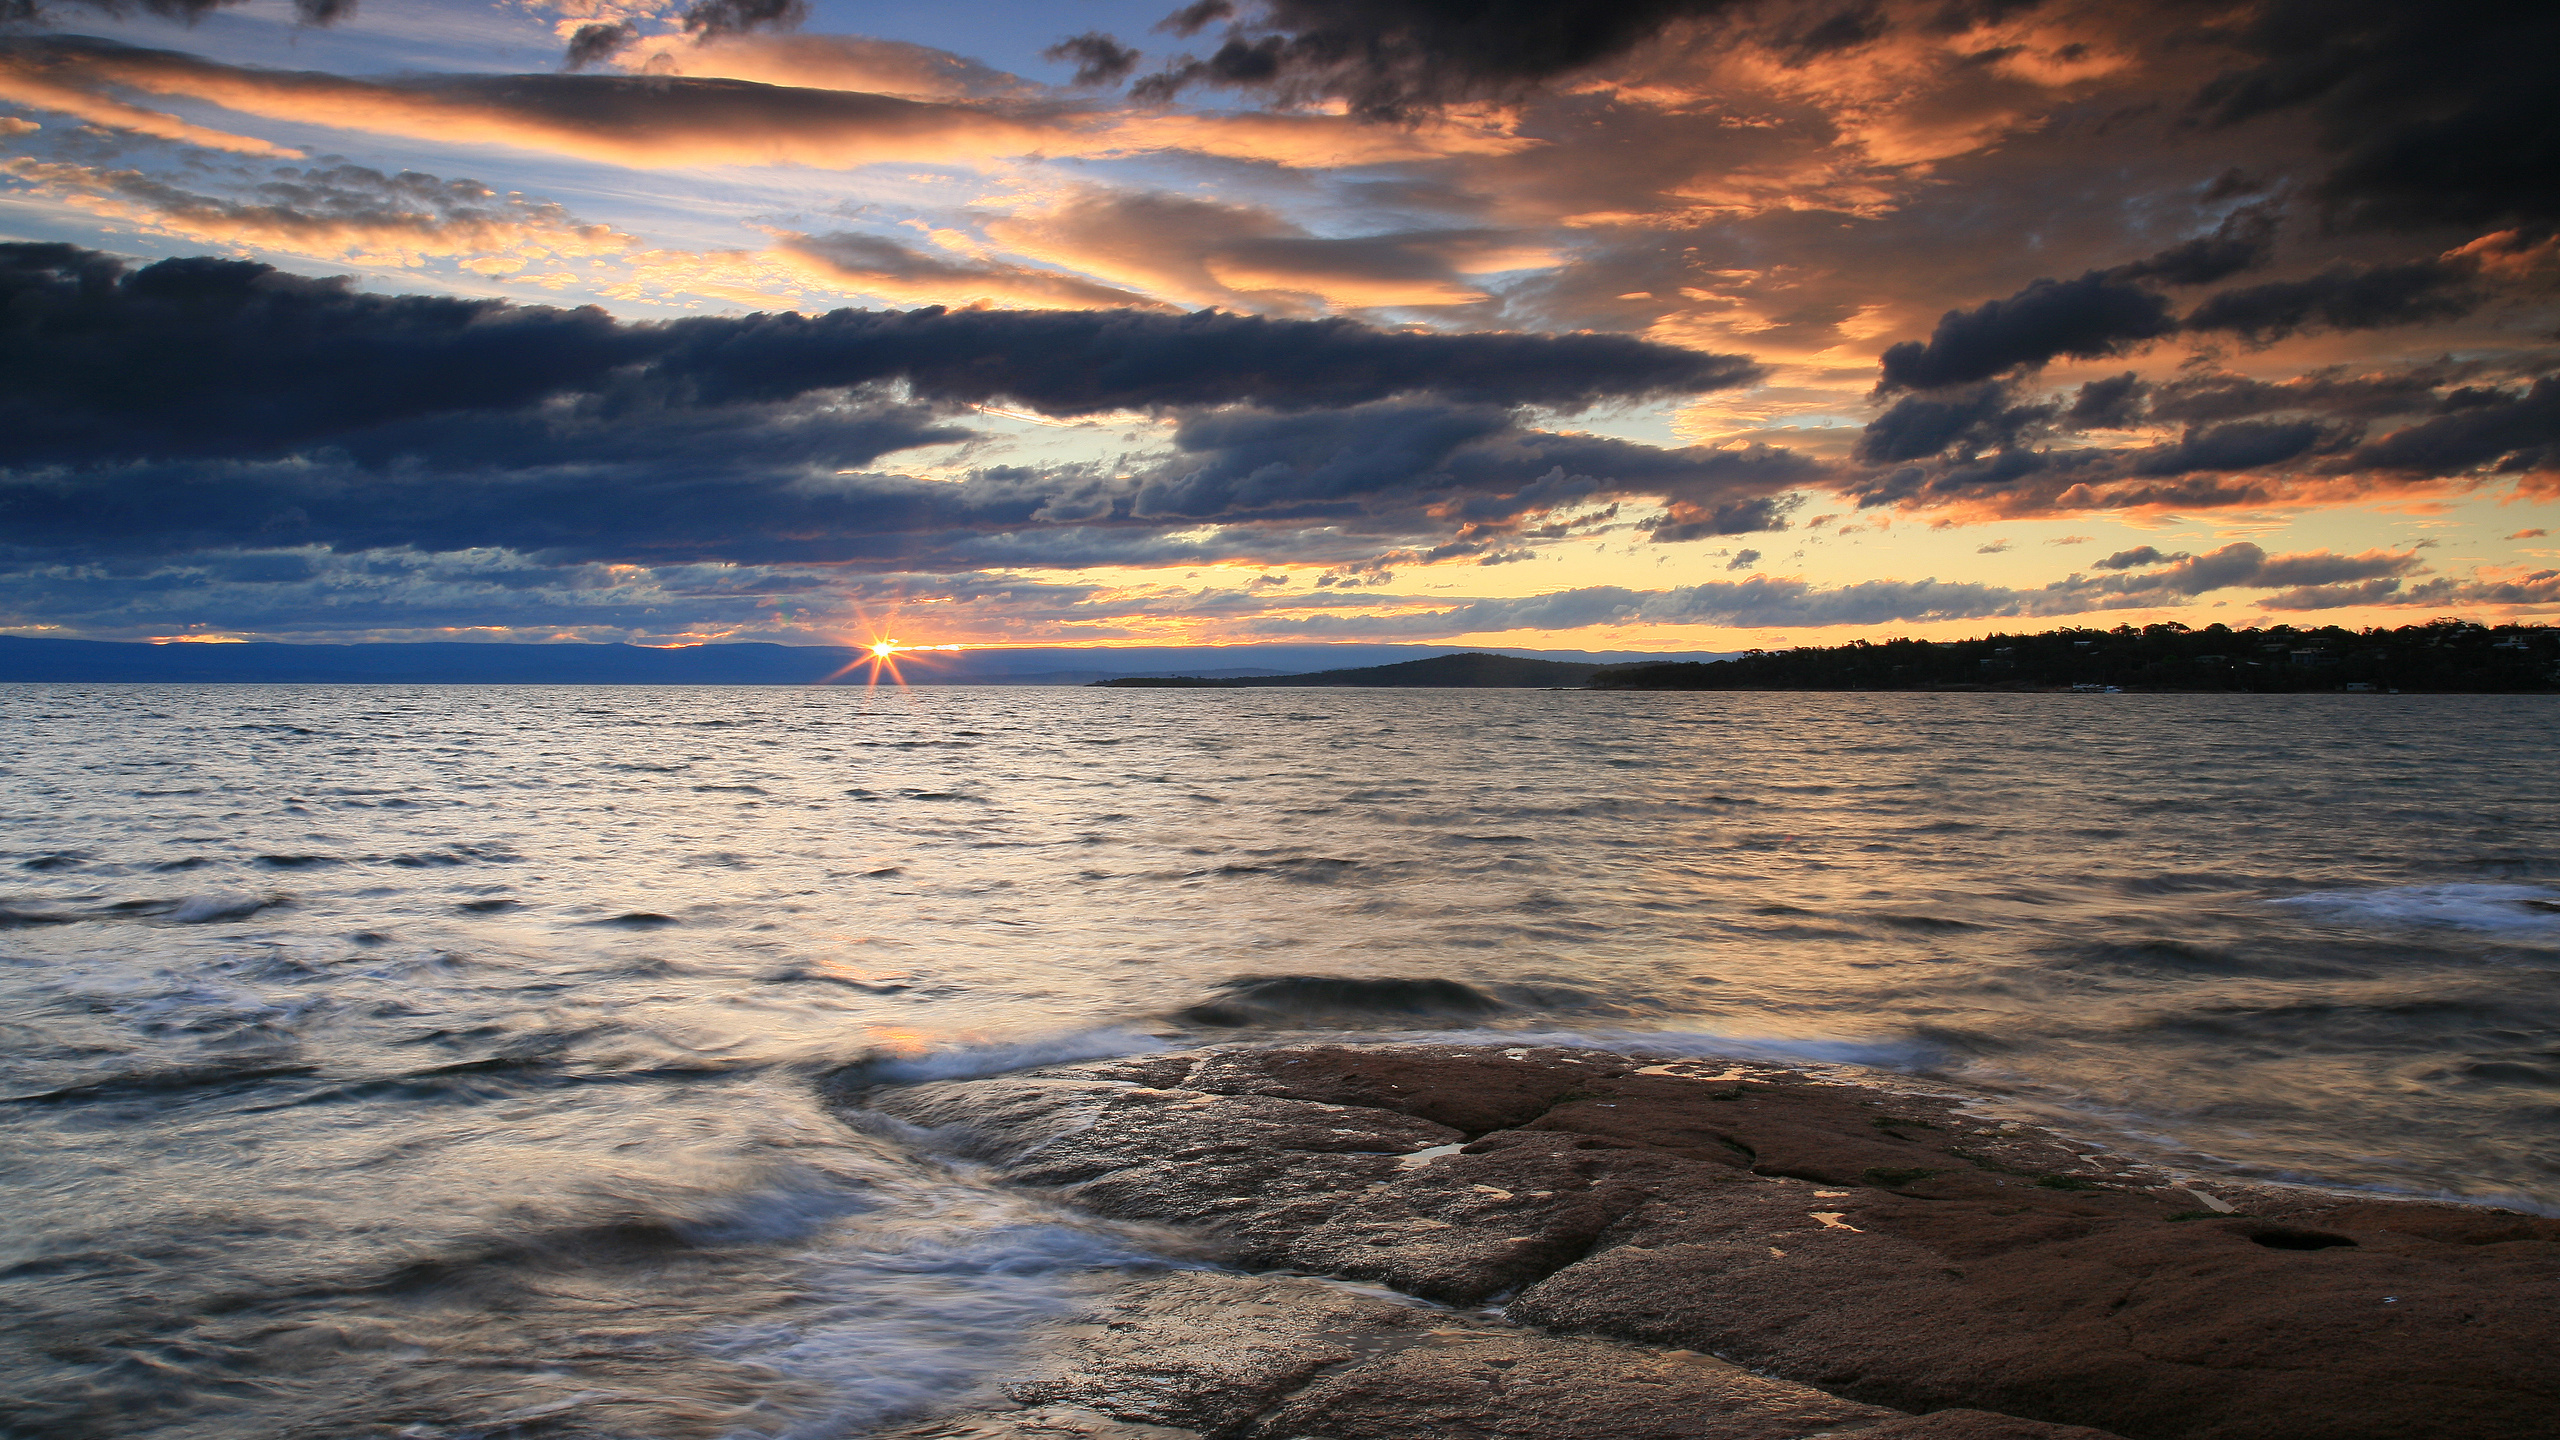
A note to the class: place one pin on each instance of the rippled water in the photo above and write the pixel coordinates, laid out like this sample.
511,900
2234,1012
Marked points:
448,1062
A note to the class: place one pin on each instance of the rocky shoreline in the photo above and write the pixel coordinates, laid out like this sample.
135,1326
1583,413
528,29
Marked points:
1476,1241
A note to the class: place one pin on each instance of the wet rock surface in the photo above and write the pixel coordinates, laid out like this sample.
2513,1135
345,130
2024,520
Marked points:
1264,1357
1868,1247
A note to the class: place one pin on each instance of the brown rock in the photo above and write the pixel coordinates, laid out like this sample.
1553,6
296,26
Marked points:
1235,1357
1887,1247
1048,1422
1474,1383
1971,1425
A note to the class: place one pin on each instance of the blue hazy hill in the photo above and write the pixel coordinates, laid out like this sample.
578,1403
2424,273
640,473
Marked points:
483,663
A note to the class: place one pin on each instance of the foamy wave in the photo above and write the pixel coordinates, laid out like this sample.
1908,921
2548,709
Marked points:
916,1324
793,1203
206,909
2460,906
972,1062
1894,1053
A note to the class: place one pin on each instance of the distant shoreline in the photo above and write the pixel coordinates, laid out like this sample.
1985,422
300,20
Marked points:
2442,657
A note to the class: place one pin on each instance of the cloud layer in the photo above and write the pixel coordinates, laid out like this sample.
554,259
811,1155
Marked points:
1302,317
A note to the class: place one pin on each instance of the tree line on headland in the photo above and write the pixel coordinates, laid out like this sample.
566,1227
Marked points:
2455,656
2442,655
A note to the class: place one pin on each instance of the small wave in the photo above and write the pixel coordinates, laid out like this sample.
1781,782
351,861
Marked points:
636,920
173,1078
208,909
456,855
1299,1000
1900,1053
2457,906
14,919
1923,923
2176,882
971,1062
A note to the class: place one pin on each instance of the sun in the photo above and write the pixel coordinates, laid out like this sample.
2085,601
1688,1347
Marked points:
883,655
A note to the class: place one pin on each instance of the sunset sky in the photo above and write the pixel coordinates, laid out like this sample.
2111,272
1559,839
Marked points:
1662,325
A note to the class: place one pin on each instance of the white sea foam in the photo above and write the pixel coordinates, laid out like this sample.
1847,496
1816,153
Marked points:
2458,906
971,1062
206,909
1898,1053
794,1202
912,1326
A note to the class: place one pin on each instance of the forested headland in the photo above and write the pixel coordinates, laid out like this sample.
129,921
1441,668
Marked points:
2442,655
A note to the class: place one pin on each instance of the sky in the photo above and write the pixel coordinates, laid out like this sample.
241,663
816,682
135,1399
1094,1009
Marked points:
1661,325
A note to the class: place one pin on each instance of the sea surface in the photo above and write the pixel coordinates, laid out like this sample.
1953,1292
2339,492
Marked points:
455,1062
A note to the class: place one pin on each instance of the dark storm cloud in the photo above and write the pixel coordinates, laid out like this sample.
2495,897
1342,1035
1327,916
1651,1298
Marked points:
2115,403
2086,319
2131,559
2503,430
1389,59
2359,393
309,12
766,484
2245,566
1099,59
2243,241
207,404
2434,114
2235,445
2438,114
712,18
1471,463
1749,515
1967,422
747,484
2115,311
2342,298
2244,442
209,357
595,44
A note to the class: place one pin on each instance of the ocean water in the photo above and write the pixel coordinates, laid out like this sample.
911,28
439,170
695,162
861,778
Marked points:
452,1062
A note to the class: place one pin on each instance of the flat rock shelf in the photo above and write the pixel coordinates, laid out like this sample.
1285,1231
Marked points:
1562,1243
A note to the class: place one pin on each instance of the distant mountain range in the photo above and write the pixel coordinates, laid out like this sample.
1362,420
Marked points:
480,663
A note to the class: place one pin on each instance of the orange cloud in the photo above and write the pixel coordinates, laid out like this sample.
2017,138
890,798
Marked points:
344,213
903,274
832,62
663,119
1203,252
29,82
627,120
